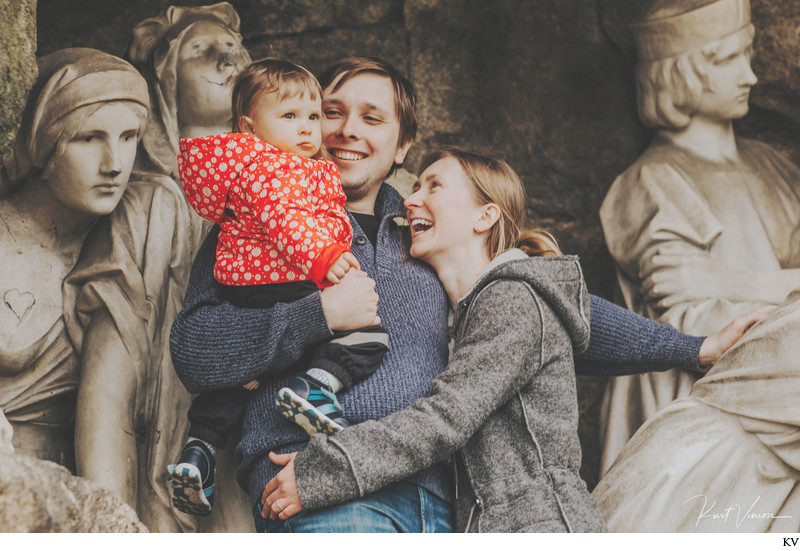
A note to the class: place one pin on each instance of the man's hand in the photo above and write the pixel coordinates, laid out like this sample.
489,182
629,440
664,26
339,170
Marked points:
352,304
716,345
280,499
342,265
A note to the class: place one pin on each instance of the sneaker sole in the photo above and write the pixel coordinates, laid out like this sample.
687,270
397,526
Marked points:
307,417
187,490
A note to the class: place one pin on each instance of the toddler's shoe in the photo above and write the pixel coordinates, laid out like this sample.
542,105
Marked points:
192,479
311,405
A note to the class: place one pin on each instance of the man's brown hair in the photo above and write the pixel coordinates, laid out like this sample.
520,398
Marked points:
405,101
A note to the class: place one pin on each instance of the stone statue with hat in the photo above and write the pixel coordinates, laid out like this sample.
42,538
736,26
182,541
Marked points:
705,225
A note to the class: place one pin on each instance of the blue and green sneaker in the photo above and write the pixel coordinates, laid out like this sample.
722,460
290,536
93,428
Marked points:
192,479
311,405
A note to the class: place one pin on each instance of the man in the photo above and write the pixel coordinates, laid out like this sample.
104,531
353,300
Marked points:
369,123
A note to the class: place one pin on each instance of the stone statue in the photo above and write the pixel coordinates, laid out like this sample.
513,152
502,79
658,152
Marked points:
704,226
94,264
41,496
734,442
189,57
69,166
6,434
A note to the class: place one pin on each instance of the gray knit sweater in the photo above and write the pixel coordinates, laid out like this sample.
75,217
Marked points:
507,402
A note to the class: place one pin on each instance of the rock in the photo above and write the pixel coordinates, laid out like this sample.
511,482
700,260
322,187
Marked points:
42,496
279,17
17,65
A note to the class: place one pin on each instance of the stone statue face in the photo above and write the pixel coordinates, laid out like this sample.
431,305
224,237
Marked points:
729,79
209,56
90,175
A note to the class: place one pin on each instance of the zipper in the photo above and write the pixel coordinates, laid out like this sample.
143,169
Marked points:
471,512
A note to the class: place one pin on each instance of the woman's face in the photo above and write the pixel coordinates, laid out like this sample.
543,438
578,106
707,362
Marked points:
209,56
442,211
91,172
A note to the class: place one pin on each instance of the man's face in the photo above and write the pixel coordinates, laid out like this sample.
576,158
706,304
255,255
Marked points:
729,79
360,133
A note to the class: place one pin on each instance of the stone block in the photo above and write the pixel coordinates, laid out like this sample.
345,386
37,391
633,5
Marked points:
17,65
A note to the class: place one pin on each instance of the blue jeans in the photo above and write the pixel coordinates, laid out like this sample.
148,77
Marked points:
401,507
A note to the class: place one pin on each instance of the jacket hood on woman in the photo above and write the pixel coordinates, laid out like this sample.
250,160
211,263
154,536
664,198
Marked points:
506,406
558,280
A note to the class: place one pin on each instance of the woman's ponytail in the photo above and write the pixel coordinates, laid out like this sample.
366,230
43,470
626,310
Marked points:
538,242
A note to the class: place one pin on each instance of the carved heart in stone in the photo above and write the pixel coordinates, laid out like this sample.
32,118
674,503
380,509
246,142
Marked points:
19,303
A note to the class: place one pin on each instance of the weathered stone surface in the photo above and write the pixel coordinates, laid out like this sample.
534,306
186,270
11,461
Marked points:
280,17
41,496
17,65
539,83
96,24
316,51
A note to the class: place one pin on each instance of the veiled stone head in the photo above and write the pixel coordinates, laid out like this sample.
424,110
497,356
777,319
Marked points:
80,129
188,56
694,58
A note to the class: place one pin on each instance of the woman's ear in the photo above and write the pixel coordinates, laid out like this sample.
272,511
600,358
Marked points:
490,214
245,124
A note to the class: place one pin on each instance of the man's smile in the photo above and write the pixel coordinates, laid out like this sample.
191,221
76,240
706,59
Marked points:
346,155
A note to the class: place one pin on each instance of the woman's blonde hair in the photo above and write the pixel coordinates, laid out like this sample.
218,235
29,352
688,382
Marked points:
494,181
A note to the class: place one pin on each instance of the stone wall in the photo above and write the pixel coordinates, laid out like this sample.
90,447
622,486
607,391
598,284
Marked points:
17,65
548,84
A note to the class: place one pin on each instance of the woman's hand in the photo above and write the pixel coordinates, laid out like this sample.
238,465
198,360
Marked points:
716,345
280,499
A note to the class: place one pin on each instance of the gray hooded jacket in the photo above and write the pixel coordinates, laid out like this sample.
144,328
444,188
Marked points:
506,404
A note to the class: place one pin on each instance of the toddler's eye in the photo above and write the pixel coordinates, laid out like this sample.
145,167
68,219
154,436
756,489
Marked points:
288,115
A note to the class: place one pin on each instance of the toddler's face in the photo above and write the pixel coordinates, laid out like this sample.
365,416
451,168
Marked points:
291,124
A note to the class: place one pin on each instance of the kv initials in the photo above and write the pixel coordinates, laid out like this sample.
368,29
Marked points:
790,542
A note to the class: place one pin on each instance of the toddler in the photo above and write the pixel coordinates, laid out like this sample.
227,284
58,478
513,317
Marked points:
284,233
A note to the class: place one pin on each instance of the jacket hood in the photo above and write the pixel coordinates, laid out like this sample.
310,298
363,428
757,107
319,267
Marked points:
209,165
558,280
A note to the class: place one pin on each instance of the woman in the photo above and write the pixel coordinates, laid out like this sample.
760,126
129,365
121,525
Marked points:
87,350
507,401
188,56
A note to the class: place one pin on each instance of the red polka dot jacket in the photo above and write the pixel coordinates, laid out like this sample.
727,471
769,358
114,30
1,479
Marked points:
282,216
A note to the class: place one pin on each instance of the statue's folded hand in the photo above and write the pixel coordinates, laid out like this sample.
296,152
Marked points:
669,279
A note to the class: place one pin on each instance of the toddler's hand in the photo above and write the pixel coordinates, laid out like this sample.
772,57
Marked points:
341,267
